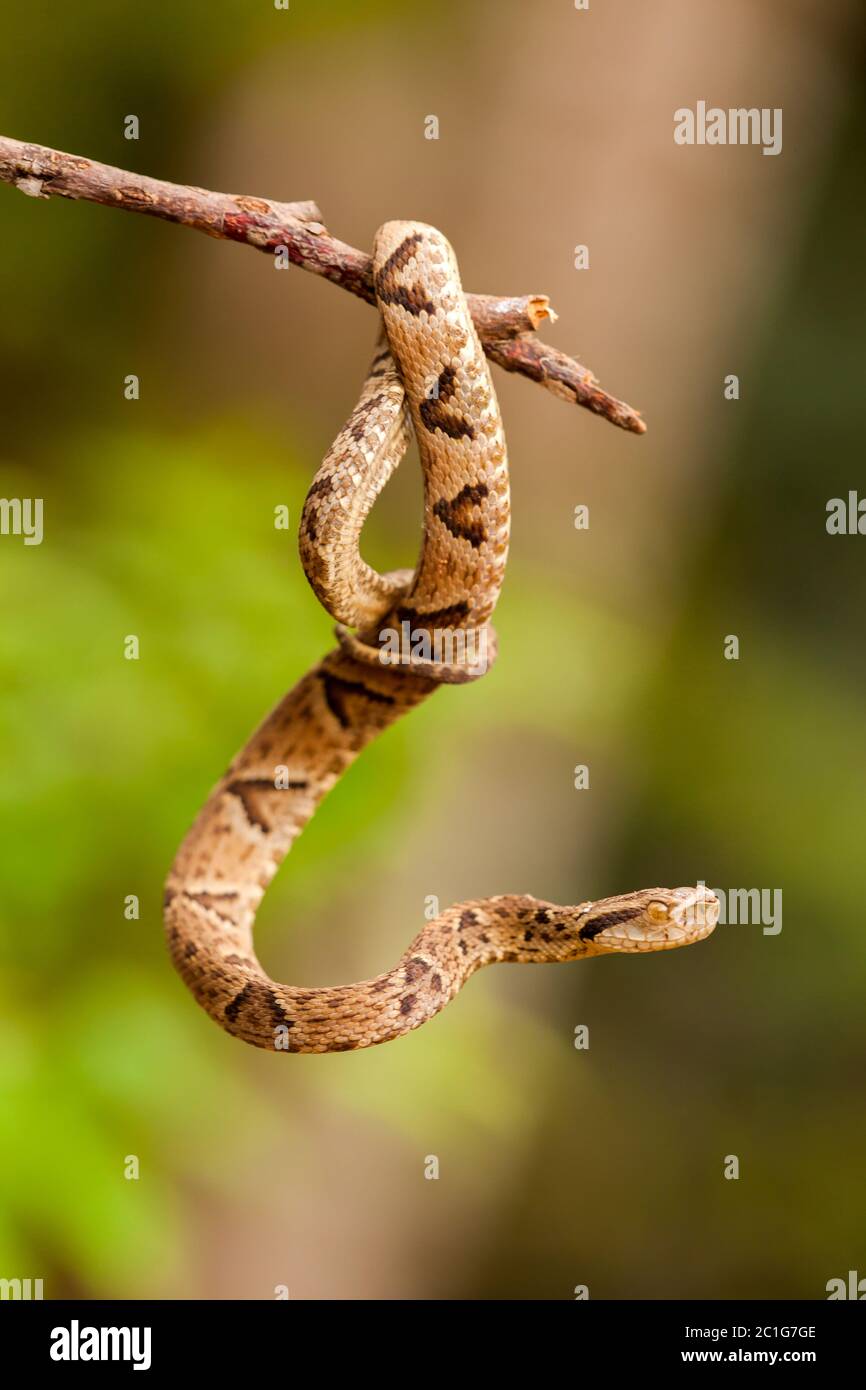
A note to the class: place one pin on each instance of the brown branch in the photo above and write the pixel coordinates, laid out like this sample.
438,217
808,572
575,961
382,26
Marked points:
505,325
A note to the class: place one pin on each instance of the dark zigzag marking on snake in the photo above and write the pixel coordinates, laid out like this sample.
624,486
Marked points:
437,617
450,513
337,688
436,417
206,900
257,991
278,1013
320,487
410,298
380,363
241,788
357,426
608,919
232,1009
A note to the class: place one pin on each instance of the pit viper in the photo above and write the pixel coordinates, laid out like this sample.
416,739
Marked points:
401,636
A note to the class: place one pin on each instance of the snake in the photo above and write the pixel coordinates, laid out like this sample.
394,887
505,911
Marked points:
428,377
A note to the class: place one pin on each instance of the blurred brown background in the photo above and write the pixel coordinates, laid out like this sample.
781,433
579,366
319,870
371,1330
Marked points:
558,1167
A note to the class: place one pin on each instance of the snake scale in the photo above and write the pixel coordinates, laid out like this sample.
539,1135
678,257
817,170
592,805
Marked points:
428,375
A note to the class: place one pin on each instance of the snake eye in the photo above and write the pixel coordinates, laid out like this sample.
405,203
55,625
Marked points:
657,911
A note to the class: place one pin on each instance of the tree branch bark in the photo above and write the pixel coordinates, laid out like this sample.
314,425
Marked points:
505,325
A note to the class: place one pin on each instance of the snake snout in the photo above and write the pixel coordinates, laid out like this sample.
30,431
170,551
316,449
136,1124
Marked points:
697,911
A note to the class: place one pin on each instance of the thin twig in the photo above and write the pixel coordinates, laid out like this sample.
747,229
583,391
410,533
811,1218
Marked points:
505,325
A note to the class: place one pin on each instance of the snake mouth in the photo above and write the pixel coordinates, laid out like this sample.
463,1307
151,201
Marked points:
664,919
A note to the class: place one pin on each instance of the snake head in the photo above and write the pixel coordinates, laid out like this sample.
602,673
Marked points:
654,919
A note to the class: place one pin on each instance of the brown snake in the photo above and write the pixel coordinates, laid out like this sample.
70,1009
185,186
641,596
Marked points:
433,361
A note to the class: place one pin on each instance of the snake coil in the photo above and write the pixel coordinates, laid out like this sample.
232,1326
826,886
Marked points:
414,631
